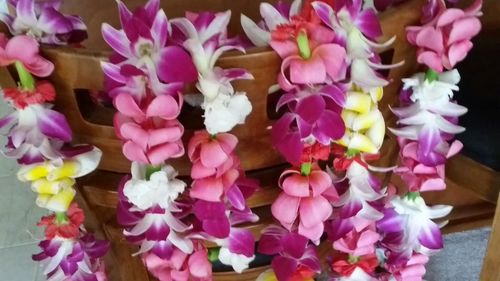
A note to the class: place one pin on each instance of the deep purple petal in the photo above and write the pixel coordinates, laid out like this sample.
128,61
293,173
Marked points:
310,108
284,267
7,120
329,127
430,236
163,249
294,244
350,209
116,40
170,58
241,241
391,222
52,21
53,124
335,93
368,24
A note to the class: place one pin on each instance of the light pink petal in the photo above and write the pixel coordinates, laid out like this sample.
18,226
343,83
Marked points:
333,57
464,29
126,104
314,211
135,133
165,151
431,59
285,208
134,152
431,38
212,155
458,52
209,189
284,48
309,71
165,107
449,16
313,232
296,185
433,184
319,181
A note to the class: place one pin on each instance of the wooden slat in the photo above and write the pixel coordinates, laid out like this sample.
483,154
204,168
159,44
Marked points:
467,173
491,266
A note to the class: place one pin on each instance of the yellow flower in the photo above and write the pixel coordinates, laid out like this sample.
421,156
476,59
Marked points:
365,125
53,180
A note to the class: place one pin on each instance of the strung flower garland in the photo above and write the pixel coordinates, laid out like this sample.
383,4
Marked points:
145,85
39,139
329,70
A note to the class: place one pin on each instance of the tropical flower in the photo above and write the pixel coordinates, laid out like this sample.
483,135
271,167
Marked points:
411,219
156,230
308,193
44,22
446,39
143,43
314,116
281,13
238,262
67,226
365,125
295,258
310,58
226,111
152,134
158,188
356,28
419,176
24,50
21,98
357,199
180,266
79,259
358,243
431,119
412,270
357,275
53,180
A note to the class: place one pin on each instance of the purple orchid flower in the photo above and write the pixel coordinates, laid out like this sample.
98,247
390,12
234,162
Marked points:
43,21
156,229
142,43
293,252
409,226
272,16
356,29
81,259
314,114
35,134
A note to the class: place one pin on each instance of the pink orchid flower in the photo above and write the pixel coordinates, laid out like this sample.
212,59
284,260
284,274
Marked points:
180,267
309,58
25,50
307,195
412,270
418,176
152,135
43,21
211,151
358,243
446,40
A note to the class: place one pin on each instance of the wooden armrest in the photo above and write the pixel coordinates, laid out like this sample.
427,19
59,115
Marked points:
480,179
491,265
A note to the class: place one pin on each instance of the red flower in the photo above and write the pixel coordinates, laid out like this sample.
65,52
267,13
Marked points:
66,227
315,152
302,273
21,98
344,267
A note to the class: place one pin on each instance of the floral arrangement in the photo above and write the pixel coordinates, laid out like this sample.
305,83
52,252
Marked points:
39,138
331,129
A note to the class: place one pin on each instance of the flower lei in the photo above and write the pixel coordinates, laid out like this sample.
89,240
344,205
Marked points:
39,139
145,81
329,75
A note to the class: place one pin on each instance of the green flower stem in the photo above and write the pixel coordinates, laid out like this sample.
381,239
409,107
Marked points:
412,195
431,75
27,80
213,254
352,152
61,218
305,168
151,170
303,44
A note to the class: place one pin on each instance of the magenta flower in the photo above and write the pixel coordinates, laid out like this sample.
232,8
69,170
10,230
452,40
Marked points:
293,252
313,114
68,259
411,270
307,196
44,22
446,40
153,134
143,43
24,49
419,176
